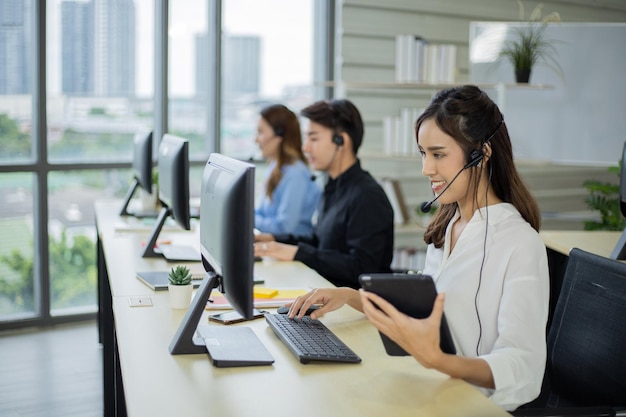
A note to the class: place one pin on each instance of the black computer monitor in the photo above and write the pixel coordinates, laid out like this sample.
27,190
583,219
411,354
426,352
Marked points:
619,252
173,168
227,244
142,174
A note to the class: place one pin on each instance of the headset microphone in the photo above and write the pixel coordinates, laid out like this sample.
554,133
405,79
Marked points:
475,158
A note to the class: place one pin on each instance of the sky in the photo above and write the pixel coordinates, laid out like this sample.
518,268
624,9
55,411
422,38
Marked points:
284,25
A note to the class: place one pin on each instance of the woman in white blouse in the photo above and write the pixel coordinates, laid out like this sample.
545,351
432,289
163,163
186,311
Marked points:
484,253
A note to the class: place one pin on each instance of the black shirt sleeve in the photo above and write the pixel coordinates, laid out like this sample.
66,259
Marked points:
364,216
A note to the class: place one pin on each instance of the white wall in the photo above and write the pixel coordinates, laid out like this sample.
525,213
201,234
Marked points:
365,46
581,119
365,42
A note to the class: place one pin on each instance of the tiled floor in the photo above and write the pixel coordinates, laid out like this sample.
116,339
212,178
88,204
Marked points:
54,372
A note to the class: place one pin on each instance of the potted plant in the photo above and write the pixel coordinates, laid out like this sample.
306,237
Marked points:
604,197
529,46
180,287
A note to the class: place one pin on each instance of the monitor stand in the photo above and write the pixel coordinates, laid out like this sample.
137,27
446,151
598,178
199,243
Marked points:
129,195
149,251
227,346
619,252
140,214
185,341
172,253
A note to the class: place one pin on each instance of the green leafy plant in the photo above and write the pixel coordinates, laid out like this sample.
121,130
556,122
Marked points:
180,275
604,197
529,47
72,269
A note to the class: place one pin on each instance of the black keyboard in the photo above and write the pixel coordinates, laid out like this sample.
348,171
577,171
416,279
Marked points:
310,340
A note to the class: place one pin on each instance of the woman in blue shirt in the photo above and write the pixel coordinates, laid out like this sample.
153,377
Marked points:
290,195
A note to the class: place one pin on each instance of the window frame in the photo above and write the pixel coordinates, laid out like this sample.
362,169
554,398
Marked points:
40,167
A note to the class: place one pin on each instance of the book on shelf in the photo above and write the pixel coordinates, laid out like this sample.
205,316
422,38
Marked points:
420,61
396,198
399,133
408,258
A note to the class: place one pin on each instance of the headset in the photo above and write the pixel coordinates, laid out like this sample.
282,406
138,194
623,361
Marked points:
337,140
279,131
475,159
482,262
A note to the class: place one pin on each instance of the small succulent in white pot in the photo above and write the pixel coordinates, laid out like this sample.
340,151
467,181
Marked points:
180,287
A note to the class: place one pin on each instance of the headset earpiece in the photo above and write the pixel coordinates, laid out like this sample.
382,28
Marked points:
279,132
475,158
338,139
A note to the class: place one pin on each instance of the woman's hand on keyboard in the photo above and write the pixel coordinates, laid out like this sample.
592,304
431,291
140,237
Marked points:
329,299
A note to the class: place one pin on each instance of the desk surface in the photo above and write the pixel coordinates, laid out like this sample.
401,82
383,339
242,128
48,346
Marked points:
597,242
159,384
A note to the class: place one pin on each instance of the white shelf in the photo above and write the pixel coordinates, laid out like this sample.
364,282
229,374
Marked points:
500,88
427,86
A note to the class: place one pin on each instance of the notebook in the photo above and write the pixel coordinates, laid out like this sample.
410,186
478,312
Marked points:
179,253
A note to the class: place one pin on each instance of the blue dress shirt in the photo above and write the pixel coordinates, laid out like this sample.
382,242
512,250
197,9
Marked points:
293,202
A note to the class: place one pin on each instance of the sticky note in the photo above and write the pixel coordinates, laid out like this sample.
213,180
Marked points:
263,292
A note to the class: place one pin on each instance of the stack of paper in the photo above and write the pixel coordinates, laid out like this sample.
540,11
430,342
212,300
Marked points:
283,296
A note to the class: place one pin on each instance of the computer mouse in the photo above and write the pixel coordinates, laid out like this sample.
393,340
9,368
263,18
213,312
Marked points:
285,310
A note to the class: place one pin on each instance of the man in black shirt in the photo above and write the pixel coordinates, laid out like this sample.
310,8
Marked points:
354,230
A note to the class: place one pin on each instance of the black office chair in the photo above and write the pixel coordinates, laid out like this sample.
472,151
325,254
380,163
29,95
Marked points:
586,366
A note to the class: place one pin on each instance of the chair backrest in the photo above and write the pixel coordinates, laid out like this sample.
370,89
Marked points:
587,338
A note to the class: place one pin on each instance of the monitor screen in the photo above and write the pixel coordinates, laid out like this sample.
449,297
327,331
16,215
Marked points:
227,228
142,170
173,168
142,161
226,246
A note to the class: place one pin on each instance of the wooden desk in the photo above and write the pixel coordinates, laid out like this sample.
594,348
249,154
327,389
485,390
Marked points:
156,383
597,242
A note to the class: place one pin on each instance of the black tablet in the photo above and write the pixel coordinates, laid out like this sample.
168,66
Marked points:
412,294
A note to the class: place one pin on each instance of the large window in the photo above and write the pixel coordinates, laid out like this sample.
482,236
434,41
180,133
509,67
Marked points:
99,96
100,69
99,78
17,284
72,235
267,57
187,103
